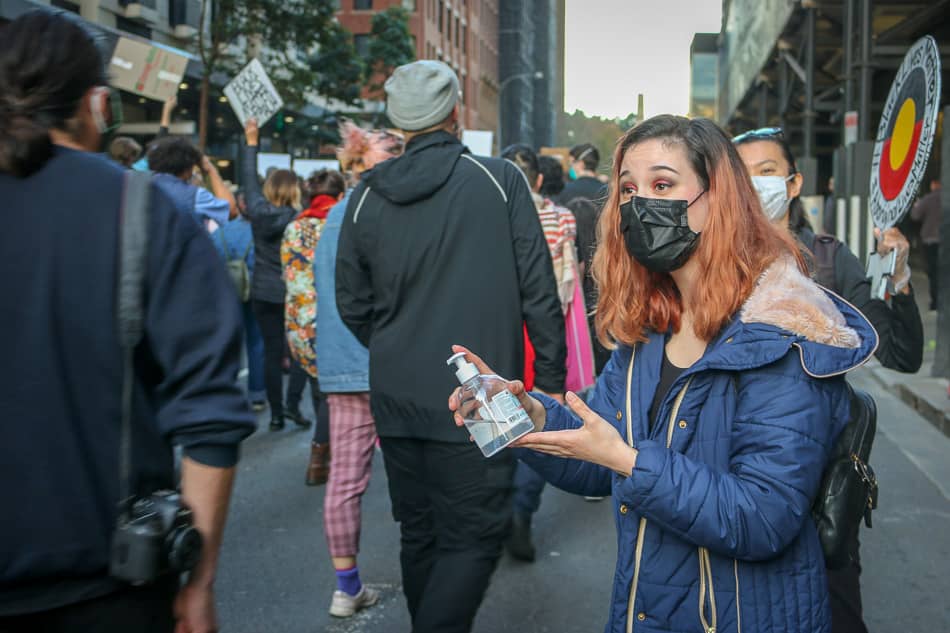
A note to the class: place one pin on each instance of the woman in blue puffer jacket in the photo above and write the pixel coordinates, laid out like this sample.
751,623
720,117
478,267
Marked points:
714,419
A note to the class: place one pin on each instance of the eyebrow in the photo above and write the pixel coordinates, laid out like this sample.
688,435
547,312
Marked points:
626,172
763,162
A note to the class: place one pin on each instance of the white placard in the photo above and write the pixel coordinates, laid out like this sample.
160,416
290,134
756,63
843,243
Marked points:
252,95
479,141
303,167
266,161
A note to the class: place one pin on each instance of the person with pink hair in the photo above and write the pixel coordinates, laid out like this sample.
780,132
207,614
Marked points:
343,365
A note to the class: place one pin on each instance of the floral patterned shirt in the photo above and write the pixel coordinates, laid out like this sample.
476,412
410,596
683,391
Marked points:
300,306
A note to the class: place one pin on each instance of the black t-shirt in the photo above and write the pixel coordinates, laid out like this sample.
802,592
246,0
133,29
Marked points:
668,375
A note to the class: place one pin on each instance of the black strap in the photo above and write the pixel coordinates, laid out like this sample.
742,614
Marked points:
133,244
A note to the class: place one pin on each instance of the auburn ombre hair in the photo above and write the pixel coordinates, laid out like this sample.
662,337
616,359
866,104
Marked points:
735,247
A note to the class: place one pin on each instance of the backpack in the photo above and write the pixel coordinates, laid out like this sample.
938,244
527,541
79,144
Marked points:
237,270
849,489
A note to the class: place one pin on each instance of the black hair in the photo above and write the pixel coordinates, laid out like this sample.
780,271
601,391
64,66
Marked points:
47,64
553,173
326,182
587,154
797,219
173,155
525,158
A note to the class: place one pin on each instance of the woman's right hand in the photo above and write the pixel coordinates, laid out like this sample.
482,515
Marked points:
532,407
251,132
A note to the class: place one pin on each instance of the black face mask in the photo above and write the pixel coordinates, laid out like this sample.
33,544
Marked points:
657,232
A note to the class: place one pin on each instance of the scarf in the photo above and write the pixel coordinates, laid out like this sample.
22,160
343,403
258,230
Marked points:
319,207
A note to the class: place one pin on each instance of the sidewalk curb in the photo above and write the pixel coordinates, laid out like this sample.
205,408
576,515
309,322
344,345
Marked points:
934,412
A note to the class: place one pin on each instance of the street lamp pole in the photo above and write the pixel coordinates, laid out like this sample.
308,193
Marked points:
537,75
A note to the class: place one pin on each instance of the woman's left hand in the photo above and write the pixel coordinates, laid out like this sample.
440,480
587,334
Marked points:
596,441
893,240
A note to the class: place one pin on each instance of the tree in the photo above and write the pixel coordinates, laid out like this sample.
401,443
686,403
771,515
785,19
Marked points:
602,133
390,46
287,36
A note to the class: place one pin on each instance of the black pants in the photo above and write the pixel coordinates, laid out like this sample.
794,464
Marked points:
453,507
933,271
270,318
844,587
145,609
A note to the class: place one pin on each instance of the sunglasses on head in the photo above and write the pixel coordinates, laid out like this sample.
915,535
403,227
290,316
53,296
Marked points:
763,133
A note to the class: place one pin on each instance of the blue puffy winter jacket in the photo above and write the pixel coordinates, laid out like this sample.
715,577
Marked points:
714,530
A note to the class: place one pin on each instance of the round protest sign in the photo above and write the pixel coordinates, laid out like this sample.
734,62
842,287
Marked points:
905,135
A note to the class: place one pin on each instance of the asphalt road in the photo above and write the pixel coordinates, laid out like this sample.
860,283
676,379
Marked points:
275,574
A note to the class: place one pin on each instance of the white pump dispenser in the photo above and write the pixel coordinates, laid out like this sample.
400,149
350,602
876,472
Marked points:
465,370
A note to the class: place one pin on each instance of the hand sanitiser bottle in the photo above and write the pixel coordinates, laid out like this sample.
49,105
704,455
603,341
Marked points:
492,414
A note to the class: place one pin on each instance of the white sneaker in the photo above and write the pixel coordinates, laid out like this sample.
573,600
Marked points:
344,605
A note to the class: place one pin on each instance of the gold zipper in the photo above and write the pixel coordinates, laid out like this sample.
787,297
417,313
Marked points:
705,576
643,522
735,567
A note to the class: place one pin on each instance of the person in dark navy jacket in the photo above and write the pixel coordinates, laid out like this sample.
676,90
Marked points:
713,421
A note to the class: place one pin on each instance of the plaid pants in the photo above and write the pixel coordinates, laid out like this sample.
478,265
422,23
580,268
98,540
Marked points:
352,440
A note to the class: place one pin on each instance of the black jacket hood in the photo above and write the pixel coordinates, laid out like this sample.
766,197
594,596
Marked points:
424,168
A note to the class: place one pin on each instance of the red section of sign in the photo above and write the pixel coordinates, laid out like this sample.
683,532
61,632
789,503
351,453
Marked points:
892,181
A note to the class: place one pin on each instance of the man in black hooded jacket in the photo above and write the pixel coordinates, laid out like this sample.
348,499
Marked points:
439,247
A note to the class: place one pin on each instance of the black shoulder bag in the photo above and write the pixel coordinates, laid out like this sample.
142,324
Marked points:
848,490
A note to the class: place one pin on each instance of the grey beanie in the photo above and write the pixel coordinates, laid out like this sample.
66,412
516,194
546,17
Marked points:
421,94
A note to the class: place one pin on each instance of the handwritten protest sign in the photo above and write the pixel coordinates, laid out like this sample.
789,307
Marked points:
151,71
252,95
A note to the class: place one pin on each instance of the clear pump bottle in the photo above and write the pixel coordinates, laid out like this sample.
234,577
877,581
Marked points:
492,414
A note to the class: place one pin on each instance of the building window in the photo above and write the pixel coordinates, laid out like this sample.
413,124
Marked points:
441,14
458,32
465,39
409,5
361,42
133,27
362,5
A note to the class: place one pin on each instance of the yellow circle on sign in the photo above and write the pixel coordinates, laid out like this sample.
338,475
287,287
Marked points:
903,133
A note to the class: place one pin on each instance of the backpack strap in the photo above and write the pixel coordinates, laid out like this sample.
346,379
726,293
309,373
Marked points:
825,250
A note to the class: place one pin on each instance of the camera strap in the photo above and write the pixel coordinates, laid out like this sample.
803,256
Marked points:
133,245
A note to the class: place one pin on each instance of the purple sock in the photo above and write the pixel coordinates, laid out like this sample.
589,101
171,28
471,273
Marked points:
348,580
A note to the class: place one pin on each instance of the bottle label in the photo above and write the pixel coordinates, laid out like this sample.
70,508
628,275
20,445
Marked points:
508,409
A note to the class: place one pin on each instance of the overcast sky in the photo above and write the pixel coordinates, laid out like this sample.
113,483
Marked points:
618,48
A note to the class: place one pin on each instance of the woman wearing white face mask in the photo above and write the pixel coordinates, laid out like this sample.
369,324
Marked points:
771,164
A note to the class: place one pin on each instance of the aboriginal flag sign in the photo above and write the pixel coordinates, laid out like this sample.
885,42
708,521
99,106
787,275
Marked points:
905,135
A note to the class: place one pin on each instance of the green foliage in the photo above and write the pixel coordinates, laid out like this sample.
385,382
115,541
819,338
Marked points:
299,42
601,132
390,46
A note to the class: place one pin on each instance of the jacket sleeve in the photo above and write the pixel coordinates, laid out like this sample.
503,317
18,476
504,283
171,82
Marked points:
354,282
540,305
899,328
574,475
781,436
194,333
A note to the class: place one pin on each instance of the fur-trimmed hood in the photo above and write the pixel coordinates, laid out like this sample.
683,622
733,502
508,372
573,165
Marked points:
787,309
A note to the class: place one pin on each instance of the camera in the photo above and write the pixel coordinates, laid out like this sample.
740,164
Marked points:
155,535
